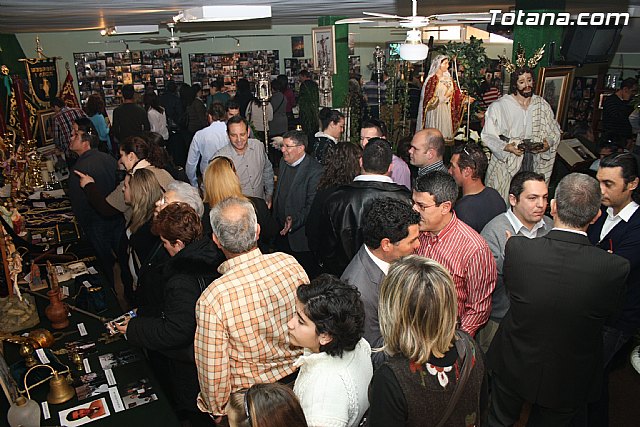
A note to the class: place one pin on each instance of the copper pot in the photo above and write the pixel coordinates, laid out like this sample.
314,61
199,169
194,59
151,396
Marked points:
43,337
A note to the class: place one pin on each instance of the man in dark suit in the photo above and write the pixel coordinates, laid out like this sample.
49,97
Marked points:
297,184
390,231
342,216
618,230
548,348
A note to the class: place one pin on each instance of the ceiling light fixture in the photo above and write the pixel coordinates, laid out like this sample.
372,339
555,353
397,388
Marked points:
413,50
135,29
223,13
237,41
173,47
126,50
108,31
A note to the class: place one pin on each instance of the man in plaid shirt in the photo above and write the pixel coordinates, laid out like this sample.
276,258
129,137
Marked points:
241,336
63,123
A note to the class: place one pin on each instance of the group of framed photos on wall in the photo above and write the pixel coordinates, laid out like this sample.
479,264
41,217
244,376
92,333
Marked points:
106,73
229,67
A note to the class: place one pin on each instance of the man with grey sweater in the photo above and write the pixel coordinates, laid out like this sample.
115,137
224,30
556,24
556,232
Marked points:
528,195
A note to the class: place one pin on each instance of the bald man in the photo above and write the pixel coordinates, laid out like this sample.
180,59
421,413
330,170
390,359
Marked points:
427,150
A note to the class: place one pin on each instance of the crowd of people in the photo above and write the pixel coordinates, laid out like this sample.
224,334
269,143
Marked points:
356,287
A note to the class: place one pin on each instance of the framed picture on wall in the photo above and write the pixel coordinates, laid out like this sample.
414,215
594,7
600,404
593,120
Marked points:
324,48
297,46
45,125
554,85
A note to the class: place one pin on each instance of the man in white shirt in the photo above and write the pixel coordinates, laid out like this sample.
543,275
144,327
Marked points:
528,196
618,231
206,142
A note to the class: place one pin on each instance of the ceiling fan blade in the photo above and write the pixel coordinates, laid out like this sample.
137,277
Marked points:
385,15
415,22
193,39
107,42
354,21
152,39
463,17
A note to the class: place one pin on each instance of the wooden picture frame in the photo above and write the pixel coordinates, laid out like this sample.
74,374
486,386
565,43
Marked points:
8,384
324,48
554,85
45,126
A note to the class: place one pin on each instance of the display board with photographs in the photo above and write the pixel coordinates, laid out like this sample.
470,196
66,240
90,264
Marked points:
207,67
293,66
582,100
106,73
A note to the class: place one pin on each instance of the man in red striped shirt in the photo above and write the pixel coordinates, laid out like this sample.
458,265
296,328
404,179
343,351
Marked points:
455,245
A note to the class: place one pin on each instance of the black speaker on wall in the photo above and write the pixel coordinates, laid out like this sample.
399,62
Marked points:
590,44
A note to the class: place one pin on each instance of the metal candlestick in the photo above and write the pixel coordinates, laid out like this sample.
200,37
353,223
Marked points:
326,85
263,93
378,61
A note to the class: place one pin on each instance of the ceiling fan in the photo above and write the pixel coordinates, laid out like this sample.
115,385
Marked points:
173,39
416,21
413,49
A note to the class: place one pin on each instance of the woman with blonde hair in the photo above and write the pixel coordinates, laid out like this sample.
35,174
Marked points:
265,405
434,374
145,250
221,181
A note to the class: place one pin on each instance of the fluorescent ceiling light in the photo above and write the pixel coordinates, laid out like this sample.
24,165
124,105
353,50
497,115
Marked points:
135,29
223,13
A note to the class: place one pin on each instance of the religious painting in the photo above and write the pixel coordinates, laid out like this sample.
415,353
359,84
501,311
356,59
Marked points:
324,48
297,46
45,126
554,84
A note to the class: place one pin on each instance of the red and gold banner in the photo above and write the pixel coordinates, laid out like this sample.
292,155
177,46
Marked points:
68,93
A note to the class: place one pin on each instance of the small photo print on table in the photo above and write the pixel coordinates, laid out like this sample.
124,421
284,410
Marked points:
114,360
85,413
137,393
91,385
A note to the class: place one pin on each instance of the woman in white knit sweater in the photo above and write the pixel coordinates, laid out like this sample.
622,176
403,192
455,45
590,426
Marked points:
336,368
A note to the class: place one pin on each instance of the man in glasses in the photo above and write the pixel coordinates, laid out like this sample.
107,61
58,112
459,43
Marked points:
455,245
297,185
478,204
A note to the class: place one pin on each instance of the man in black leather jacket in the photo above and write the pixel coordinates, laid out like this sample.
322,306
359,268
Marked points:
344,211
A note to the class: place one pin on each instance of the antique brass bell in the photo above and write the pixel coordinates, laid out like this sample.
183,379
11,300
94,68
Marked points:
60,391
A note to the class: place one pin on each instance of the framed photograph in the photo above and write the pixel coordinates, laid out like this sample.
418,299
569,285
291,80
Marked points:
7,382
324,48
297,46
45,124
554,84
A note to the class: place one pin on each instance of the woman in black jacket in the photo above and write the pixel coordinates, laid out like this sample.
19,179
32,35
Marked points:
168,336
